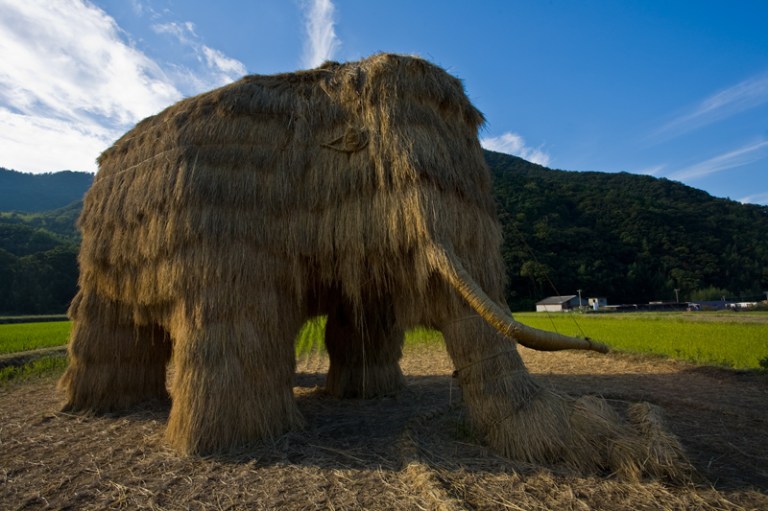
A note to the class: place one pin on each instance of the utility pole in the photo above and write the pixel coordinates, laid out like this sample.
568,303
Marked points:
677,297
579,291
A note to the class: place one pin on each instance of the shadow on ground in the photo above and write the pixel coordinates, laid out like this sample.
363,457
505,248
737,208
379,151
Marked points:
720,417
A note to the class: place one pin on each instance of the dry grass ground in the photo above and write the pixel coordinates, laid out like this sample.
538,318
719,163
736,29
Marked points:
410,452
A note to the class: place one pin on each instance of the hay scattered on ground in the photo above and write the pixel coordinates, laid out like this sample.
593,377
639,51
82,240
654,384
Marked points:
414,451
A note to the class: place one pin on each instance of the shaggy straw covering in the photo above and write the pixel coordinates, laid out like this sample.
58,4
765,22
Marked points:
358,191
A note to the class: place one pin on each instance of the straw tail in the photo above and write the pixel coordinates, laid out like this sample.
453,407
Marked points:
451,268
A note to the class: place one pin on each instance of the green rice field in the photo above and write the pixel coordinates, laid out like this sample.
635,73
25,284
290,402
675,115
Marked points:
310,338
735,340
727,339
30,336
730,339
38,367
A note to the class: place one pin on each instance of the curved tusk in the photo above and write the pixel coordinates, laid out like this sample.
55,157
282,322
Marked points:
450,267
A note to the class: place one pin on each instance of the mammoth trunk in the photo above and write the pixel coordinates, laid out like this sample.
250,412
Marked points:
452,270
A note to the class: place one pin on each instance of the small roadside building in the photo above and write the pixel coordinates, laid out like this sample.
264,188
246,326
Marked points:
558,303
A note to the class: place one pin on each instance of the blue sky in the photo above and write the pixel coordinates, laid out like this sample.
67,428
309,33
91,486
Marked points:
675,89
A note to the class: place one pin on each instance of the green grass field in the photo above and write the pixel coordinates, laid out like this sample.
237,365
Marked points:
736,340
40,367
30,336
18,337
310,338
728,339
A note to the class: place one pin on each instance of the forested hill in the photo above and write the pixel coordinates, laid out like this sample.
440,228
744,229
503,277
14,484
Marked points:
629,238
28,193
38,260
38,240
626,237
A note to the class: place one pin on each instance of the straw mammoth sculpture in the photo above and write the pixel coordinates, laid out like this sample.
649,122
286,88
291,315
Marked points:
216,228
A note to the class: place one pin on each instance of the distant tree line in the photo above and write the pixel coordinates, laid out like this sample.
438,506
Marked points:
38,270
629,238
27,193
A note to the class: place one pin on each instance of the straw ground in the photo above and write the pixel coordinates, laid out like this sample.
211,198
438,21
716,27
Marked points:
415,451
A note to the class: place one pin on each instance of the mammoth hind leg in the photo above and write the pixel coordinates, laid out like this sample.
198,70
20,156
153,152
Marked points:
364,350
113,363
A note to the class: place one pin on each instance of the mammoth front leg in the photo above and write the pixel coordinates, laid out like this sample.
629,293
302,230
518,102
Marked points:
113,363
522,420
364,351
233,381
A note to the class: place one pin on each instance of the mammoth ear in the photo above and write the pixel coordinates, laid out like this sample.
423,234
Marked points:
353,140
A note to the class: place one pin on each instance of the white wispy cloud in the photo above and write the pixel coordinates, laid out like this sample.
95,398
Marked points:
738,157
71,82
651,171
746,95
138,7
38,143
755,198
512,143
218,69
321,43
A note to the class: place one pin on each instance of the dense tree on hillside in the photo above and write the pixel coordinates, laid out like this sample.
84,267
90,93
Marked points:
39,283
629,238
38,267
60,222
7,272
45,282
24,192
